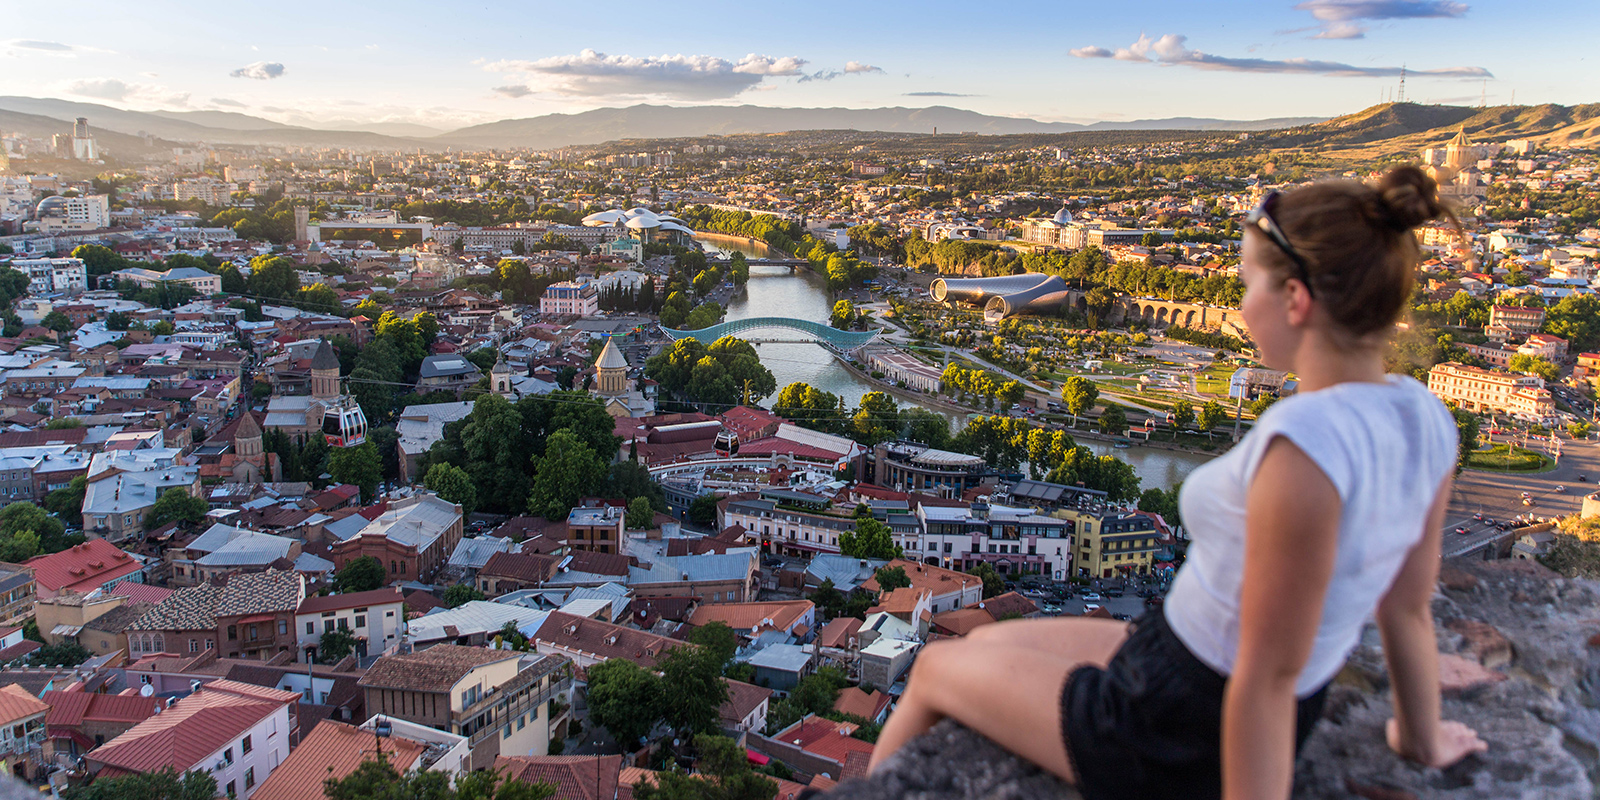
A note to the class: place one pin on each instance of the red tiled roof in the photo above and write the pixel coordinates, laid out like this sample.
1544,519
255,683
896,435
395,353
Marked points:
961,621
333,750
334,602
824,737
82,567
75,708
17,704
838,632
574,777
743,617
142,592
18,650
604,639
938,580
743,698
852,700
192,729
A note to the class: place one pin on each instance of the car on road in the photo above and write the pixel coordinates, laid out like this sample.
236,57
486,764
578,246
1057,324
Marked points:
1561,489
1527,501
1088,607
1583,478
1478,516
1091,597
1052,609
1526,495
1461,530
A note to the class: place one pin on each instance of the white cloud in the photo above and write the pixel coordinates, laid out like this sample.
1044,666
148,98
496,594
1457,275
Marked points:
1343,30
855,67
1170,50
223,101
1346,10
593,74
514,90
260,71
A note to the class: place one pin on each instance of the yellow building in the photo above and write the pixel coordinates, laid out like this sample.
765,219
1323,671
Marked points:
1110,544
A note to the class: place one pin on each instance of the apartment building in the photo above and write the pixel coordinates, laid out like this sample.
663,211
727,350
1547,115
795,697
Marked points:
570,298
1493,391
1014,541
1113,544
501,700
47,275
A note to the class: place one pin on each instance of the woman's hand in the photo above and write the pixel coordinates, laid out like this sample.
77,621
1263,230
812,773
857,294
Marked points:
1453,742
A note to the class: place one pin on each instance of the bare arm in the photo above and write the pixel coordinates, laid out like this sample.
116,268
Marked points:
1291,540
1405,618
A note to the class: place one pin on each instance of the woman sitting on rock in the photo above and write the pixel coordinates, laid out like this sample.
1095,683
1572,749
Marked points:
1327,513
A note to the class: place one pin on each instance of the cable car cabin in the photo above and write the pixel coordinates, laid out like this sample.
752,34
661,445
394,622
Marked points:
727,444
344,425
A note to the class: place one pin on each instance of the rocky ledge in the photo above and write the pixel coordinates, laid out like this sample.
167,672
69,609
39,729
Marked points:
1520,662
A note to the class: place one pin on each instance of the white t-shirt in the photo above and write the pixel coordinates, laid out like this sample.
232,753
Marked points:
1385,447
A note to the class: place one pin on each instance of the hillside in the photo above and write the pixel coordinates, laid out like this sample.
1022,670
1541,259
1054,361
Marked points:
116,145
216,127
1399,128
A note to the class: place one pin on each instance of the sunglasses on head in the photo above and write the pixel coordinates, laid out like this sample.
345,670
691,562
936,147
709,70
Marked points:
1261,219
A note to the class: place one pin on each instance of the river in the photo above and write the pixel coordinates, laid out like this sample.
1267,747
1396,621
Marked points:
802,294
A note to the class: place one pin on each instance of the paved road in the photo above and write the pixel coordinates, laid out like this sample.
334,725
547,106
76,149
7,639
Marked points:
1498,495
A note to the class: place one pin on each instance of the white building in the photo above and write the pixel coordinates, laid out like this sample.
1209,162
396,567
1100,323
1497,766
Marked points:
53,274
377,619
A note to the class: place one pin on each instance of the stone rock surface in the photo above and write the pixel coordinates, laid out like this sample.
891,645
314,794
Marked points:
1541,719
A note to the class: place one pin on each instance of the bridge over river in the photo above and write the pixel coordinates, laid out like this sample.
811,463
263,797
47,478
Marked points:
802,330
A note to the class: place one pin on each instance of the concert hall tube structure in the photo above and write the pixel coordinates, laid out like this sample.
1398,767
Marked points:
1003,296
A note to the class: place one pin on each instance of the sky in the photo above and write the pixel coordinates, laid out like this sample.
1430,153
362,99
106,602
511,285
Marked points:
447,65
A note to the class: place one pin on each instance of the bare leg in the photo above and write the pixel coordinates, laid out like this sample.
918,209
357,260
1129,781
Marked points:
1002,688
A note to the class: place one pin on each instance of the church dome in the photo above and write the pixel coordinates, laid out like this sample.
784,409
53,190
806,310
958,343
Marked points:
1062,217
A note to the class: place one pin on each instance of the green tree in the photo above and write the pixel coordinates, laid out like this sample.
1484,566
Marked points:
335,645
377,779
869,539
175,505
1113,420
1578,430
1467,426
992,583
723,772
844,315
625,698
1079,394
891,578
568,471
57,321
703,511
273,277
716,639
1211,415
1534,365
163,785
117,321
641,514
1182,417
460,593
98,259
65,653
452,484
362,574
358,466
67,502
692,688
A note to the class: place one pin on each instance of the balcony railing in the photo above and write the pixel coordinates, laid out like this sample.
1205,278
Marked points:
503,715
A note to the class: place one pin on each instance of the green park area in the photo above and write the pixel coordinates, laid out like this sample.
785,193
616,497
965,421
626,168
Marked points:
1500,458
1214,379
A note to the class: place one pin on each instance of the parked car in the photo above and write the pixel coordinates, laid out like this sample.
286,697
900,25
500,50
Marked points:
1091,597
1052,609
1115,591
1088,607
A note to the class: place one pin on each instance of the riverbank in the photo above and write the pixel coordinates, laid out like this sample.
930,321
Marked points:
763,249
940,403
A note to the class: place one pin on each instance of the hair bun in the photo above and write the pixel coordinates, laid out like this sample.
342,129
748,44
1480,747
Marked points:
1407,198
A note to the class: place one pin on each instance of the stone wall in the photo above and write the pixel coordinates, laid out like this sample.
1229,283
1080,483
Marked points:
1520,663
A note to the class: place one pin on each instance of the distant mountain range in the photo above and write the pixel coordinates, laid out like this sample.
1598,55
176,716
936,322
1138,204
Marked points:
1404,123
590,127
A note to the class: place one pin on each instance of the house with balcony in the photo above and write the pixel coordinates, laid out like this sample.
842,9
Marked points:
237,732
913,467
247,616
595,529
22,734
334,750
505,702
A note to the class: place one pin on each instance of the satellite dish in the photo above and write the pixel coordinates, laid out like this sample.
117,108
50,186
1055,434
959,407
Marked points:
146,690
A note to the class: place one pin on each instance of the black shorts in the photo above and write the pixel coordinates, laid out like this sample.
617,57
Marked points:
1149,725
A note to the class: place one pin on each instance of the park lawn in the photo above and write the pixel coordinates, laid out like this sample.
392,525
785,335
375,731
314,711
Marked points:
1214,379
1497,459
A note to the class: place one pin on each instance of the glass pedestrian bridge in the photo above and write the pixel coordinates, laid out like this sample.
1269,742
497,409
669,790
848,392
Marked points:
843,341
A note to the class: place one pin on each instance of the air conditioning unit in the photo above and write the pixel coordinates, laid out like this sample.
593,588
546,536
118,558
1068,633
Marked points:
220,766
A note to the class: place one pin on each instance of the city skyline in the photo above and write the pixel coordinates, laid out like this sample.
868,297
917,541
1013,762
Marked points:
341,67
